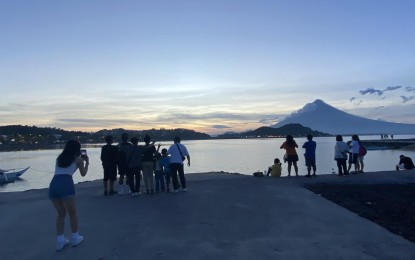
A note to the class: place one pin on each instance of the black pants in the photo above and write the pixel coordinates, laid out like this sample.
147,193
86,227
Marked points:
133,179
177,168
341,166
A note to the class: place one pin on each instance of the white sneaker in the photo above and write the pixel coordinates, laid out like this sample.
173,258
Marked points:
184,189
61,244
175,191
77,240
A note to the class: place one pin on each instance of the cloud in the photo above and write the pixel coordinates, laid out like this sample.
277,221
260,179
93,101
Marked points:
269,120
220,126
406,99
351,100
376,108
410,89
371,91
390,88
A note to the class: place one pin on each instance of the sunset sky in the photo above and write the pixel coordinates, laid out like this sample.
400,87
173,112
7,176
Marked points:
212,66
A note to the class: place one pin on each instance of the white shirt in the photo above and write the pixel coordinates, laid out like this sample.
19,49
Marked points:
354,146
339,148
175,153
70,170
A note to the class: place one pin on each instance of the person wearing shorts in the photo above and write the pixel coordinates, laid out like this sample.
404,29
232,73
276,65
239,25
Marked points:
109,155
124,149
291,154
310,155
354,147
62,191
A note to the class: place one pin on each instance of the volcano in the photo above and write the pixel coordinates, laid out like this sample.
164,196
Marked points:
322,117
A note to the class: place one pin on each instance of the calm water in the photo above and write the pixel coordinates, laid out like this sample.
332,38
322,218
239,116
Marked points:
239,156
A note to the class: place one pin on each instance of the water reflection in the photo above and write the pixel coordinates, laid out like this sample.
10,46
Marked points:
237,156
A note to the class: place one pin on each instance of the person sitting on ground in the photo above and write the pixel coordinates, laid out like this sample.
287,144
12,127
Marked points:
275,169
405,163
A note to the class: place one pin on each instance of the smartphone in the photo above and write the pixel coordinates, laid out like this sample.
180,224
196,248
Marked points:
83,152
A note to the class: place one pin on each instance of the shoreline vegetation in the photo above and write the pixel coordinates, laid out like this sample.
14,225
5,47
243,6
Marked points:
23,138
28,138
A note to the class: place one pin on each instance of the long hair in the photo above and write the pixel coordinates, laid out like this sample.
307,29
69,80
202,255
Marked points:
355,138
290,141
71,150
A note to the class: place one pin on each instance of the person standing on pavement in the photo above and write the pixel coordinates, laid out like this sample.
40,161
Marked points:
291,154
109,154
310,155
124,148
62,191
178,154
147,164
340,155
134,158
354,147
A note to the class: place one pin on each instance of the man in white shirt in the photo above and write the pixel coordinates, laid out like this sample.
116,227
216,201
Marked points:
178,154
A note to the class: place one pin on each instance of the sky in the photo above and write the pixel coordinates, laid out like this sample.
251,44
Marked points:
212,66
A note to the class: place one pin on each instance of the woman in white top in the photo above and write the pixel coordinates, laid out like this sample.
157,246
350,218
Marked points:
62,191
354,147
340,155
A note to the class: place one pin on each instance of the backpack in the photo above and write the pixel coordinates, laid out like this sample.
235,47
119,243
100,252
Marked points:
362,151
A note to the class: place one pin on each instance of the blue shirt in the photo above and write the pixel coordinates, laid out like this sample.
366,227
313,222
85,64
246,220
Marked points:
165,163
310,148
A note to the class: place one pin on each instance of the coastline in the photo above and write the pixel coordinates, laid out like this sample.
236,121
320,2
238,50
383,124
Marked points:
223,216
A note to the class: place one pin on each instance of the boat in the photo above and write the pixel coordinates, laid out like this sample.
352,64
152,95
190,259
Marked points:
11,175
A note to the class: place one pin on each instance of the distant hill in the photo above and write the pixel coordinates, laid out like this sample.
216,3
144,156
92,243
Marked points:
24,135
323,117
295,130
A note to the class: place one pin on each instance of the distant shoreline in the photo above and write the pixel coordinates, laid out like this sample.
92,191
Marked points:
379,144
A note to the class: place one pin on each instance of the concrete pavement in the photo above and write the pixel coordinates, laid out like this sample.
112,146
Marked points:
223,216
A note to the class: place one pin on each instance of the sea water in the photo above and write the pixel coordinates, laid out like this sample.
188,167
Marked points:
243,156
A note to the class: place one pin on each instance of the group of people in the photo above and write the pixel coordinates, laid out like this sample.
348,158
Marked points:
131,159
345,155
291,157
353,152
127,159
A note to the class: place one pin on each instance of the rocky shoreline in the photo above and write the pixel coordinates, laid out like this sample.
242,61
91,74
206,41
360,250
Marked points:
391,206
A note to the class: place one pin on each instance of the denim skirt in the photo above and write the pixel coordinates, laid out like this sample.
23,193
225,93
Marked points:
61,187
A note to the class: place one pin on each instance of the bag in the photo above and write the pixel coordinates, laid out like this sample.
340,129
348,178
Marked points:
258,174
362,151
183,158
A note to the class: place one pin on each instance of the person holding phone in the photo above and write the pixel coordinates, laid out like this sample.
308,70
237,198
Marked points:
62,191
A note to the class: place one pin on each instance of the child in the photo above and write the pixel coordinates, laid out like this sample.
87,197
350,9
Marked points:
165,167
158,170
275,169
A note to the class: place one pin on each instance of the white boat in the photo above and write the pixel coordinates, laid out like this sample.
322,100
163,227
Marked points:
11,175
